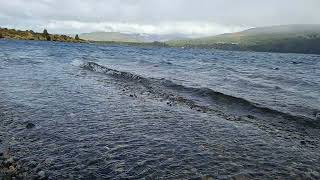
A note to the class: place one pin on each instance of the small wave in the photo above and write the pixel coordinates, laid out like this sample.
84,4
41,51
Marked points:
115,73
221,103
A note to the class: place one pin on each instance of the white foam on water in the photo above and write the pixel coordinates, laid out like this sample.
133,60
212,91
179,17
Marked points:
77,62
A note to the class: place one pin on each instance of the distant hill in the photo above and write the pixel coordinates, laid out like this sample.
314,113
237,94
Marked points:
31,35
110,36
284,38
126,37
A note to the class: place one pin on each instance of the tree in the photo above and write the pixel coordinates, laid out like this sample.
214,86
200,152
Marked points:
1,36
77,37
46,35
45,32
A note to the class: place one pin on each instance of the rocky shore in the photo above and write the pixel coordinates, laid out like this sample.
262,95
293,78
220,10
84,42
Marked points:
10,166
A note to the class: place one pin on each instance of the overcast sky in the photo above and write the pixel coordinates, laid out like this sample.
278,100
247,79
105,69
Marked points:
197,17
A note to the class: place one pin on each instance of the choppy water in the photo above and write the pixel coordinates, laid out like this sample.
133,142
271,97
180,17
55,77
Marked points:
133,112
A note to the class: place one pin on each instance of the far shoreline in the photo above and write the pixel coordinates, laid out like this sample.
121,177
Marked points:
155,45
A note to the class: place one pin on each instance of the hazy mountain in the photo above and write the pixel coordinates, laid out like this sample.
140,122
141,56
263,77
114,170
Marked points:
110,36
162,38
126,37
284,38
256,35
284,29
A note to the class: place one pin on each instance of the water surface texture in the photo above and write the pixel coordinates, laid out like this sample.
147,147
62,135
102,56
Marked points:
136,112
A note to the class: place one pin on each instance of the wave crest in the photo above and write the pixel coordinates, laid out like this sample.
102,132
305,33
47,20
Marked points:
220,103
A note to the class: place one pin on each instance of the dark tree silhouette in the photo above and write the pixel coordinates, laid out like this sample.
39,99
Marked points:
1,36
46,35
77,37
45,32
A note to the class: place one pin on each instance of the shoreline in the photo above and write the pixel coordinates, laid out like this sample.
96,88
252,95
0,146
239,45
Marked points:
9,167
159,45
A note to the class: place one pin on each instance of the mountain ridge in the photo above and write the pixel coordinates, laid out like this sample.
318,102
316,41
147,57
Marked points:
282,38
129,37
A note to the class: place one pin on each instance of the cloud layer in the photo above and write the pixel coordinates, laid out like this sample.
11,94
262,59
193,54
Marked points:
194,17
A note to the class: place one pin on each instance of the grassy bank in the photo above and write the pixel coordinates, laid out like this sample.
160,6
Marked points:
31,35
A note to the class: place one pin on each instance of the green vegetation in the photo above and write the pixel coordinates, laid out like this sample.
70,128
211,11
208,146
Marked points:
77,37
45,32
290,38
30,35
46,35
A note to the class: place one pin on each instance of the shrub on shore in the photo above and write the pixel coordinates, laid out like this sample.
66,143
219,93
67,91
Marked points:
31,35
46,35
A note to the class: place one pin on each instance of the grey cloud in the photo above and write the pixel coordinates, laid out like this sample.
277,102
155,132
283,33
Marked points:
219,13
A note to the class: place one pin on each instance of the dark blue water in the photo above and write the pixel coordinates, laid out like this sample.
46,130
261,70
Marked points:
141,112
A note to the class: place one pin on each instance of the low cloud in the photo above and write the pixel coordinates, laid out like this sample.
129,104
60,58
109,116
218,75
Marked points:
193,17
190,28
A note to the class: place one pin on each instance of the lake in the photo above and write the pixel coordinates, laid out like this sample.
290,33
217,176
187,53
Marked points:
111,111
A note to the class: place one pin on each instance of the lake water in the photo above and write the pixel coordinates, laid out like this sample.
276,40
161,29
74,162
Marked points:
108,111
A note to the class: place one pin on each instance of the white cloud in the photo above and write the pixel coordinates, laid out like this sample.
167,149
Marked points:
191,28
156,16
